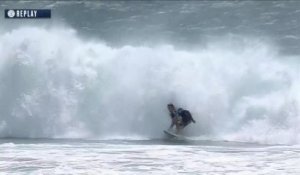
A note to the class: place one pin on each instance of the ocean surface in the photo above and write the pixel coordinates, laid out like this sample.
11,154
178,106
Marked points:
56,156
85,92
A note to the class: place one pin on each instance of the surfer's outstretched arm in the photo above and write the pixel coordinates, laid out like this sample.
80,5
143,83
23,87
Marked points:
173,123
193,120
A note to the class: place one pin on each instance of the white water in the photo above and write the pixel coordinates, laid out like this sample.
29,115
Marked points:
129,158
56,84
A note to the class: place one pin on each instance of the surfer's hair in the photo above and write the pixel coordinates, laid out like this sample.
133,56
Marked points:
170,105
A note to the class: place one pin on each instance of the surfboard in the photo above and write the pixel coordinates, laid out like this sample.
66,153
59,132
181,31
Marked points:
171,134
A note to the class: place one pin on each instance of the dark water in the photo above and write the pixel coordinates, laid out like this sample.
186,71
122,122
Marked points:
186,24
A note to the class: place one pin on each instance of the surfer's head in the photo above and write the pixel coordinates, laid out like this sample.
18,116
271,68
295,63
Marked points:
171,107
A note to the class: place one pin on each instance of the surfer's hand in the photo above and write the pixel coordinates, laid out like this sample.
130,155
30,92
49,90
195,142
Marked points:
194,121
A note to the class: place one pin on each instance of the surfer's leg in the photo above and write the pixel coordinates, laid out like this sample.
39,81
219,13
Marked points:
173,123
183,125
180,127
177,127
178,124
187,123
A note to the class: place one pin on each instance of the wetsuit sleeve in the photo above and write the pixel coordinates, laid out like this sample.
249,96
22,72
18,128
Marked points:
193,119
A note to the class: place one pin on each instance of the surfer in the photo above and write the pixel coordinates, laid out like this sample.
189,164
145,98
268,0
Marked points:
180,118
175,118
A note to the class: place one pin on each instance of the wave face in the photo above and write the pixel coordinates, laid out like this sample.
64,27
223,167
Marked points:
55,84
108,70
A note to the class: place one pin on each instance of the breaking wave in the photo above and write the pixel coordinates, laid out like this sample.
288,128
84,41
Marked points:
55,84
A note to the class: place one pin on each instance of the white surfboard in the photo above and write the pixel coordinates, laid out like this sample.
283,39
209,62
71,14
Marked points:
172,135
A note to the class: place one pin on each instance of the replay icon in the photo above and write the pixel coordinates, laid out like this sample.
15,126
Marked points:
27,13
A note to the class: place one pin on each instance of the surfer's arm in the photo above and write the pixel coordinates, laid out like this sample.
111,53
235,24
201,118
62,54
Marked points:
173,123
193,120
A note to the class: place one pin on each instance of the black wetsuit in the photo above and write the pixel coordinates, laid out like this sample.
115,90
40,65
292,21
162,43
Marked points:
186,117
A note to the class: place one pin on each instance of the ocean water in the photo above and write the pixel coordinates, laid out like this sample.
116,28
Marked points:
85,92
46,156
